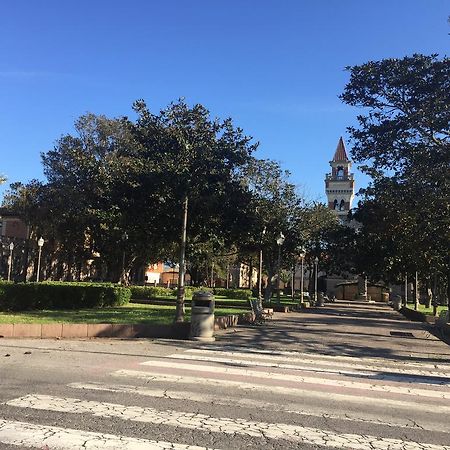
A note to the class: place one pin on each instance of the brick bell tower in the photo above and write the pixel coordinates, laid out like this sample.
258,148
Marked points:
339,184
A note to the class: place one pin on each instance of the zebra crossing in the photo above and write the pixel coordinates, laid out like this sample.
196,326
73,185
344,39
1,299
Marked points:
226,397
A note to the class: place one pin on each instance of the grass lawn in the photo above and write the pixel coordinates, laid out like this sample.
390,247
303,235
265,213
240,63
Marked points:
285,300
429,311
129,314
219,299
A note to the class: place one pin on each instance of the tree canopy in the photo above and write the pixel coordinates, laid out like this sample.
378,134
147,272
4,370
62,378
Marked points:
403,143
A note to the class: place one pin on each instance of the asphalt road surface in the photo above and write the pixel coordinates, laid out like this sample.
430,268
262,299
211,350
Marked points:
347,376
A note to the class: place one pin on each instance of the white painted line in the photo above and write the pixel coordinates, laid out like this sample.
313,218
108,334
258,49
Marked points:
400,377
205,423
289,391
440,369
300,379
57,438
444,364
249,362
291,407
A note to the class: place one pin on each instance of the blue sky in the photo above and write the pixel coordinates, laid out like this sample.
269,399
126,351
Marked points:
275,66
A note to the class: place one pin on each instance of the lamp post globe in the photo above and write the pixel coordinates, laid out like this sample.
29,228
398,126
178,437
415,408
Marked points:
40,244
280,239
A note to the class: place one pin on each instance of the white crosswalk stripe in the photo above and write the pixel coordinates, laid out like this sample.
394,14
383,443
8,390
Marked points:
56,438
252,386
389,375
353,361
319,361
373,386
292,407
202,422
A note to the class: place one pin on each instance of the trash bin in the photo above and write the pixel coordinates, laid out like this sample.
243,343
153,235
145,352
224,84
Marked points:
397,302
320,299
202,317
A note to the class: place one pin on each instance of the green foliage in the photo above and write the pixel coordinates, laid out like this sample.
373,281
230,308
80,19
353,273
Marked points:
143,292
241,294
190,290
57,295
403,142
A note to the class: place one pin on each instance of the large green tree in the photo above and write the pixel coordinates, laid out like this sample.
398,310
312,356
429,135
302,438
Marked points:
277,208
403,143
199,161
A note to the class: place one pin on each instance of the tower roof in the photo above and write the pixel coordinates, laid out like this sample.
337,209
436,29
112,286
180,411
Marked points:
340,154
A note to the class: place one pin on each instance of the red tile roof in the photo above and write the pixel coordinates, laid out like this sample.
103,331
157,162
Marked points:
340,154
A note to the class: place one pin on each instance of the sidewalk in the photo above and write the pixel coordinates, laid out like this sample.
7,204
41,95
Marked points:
345,328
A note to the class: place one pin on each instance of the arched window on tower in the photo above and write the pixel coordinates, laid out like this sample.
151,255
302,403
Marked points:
342,205
335,204
340,173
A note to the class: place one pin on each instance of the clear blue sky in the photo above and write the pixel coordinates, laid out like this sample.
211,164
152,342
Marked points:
275,66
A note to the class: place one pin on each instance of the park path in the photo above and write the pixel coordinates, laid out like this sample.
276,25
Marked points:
347,376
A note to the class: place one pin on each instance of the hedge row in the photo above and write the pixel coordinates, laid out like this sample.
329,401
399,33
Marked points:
58,295
242,294
148,292
190,290
143,292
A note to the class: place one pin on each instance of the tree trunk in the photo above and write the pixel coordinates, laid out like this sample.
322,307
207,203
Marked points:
293,282
416,292
269,288
428,293
179,314
448,291
434,291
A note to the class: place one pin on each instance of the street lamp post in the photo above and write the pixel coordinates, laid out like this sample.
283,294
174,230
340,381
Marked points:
10,260
280,241
316,264
40,243
302,261
260,267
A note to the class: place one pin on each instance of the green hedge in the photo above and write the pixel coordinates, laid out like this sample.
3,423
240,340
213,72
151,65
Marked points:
189,290
142,292
242,294
59,295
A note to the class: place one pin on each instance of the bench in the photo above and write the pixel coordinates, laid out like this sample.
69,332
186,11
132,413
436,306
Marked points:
261,314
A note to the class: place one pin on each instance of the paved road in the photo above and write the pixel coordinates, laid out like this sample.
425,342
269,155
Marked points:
348,376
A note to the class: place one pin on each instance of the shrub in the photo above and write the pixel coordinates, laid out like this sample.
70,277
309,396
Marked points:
189,290
241,294
143,292
59,295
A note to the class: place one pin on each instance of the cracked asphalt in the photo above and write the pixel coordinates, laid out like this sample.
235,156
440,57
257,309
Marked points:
335,377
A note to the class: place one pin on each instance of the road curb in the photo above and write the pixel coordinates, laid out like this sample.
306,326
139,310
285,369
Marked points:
108,330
